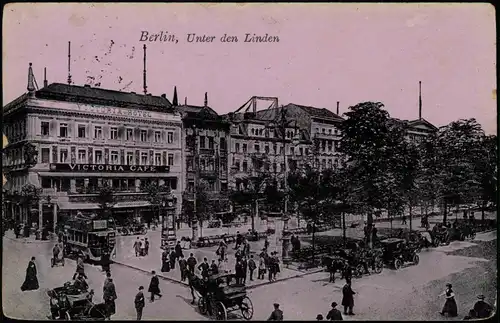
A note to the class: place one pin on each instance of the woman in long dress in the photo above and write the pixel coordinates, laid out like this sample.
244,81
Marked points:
31,281
450,306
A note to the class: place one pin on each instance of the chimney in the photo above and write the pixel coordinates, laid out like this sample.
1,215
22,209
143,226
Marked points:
338,107
69,62
206,99
419,100
175,101
186,100
144,72
31,80
45,82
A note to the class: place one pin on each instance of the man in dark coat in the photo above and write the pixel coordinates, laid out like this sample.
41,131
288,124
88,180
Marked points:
80,267
146,247
31,281
183,268
204,267
139,303
238,268
334,314
105,261
347,271
239,240
178,249
277,314
165,261
347,298
191,262
109,297
154,286
251,266
173,257
137,247
271,267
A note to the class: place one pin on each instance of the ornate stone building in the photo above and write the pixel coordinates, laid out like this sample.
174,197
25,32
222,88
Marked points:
87,137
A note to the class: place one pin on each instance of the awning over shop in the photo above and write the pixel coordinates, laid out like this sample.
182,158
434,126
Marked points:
77,206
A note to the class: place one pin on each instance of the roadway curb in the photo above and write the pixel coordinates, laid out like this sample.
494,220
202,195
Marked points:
302,274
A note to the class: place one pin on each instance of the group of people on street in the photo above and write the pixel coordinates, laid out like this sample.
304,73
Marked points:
141,247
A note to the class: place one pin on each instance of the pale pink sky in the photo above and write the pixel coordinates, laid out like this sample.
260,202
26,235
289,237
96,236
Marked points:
327,52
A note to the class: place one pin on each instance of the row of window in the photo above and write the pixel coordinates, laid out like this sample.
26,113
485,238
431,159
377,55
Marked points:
114,133
206,164
93,184
210,141
323,131
323,163
256,149
267,132
329,145
82,157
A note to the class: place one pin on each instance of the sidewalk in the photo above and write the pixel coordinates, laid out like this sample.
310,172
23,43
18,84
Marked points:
126,257
31,239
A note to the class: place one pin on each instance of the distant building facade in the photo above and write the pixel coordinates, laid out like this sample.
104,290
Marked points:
88,137
205,147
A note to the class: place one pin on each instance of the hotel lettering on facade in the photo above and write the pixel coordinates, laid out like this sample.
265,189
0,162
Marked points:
86,138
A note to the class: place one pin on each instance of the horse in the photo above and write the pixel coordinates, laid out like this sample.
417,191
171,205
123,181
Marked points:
333,264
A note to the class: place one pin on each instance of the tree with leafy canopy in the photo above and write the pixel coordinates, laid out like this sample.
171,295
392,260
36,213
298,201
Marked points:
486,167
106,200
155,194
370,140
204,208
428,176
459,145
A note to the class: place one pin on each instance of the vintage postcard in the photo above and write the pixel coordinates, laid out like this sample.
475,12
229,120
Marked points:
249,161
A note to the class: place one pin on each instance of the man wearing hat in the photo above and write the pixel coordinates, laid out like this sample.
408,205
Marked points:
277,314
482,309
139,303
334,314
319,317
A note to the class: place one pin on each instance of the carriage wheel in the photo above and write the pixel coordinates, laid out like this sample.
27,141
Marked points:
67,317
379,266
416,259
202,305
397,264
219,312
462,237
246,307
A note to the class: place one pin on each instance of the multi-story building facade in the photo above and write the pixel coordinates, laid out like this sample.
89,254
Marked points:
257,140
88,137
417,130
205,149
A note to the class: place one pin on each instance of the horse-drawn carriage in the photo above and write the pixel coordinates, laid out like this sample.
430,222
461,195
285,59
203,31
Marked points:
361,260
397,251
220,294
72,304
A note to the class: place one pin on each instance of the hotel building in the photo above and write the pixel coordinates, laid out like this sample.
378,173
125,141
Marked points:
87,137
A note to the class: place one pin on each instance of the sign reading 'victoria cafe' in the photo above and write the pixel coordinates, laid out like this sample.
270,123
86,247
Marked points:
109,168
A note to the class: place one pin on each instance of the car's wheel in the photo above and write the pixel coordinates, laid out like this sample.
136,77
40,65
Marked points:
416,259
202,306
397,264
379,266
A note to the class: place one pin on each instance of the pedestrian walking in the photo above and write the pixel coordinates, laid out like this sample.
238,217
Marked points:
266,244
142,251
271,267
110,297
238,269
334,314
106,281
137,247
154,286
347,298
178,250
146,247
221,251
173,257
403,218
139,303
277,314
276,262
165,261
239,240
105,261
214,269
251,267
450,306
262,268
183,268
80,267
191,262
244,263
31,281
204,267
